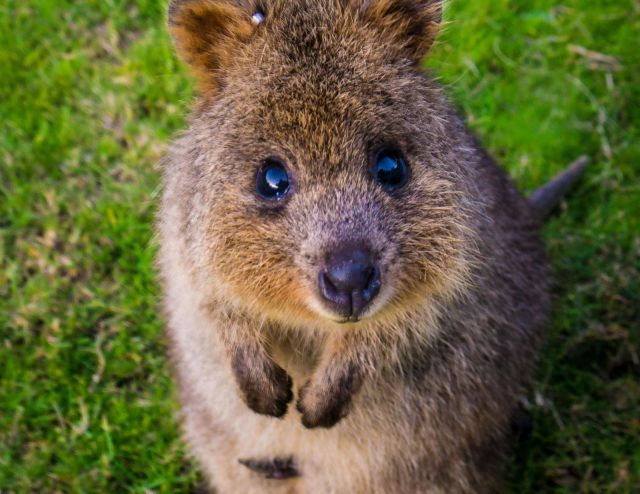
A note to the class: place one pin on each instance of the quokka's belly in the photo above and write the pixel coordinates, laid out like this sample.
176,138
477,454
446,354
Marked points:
241,451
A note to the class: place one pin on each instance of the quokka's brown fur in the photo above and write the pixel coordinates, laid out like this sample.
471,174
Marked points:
277,394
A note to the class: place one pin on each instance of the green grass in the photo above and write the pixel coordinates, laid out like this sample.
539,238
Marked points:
90,94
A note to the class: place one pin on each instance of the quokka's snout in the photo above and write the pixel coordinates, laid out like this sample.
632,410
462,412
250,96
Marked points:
350,280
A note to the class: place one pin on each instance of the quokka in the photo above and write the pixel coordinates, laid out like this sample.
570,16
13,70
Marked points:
355,291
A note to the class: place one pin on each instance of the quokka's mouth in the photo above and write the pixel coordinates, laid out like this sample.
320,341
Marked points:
347,320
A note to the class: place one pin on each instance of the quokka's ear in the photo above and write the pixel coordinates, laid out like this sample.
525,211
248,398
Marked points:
412,24
207,34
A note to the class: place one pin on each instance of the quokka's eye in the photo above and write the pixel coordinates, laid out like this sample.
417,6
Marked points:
272,182
390,169
258,17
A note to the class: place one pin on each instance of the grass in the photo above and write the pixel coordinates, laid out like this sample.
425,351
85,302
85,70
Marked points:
91,93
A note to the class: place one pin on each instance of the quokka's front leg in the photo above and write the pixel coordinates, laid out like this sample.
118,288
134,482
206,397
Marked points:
265,387
325,398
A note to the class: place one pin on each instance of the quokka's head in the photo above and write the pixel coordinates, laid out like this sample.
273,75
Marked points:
320,176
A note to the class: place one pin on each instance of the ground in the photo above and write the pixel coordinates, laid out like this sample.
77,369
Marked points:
91,93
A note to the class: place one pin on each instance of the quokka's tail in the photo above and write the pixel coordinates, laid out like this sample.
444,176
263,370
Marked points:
549,196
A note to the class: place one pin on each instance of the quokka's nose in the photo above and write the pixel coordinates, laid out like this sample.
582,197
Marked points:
350,280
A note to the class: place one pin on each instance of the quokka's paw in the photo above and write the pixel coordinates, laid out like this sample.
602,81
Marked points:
272,396
323,407
265,386
280,468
